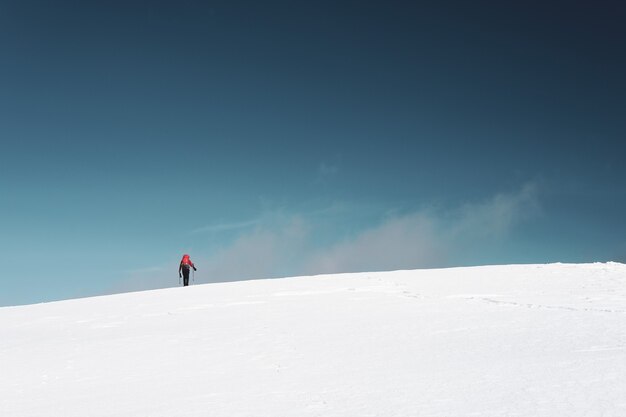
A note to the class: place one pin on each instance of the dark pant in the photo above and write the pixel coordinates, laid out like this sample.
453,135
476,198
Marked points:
185,276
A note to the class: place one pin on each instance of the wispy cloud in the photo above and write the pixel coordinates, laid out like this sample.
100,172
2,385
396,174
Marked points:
497,215
220,227
326,169
289,245
409,241
264,252
426,238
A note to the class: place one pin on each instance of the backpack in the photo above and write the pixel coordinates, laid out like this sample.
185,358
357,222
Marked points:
186,262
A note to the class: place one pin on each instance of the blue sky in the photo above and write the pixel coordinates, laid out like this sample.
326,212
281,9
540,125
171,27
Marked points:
282,138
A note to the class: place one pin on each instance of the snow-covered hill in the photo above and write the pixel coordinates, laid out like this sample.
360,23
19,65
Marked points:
532,340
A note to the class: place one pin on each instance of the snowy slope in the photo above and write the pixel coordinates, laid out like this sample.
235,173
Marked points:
533,340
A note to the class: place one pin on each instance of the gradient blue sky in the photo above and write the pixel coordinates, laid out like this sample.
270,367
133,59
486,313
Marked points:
283,138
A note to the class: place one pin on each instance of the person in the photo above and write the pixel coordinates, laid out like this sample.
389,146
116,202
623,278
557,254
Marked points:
185,266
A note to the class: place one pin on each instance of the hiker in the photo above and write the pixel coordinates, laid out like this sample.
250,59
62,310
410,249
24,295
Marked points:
185,266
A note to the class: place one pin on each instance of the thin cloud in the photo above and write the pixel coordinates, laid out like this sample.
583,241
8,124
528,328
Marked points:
325,169
497,215
264,252
422,239
291,246
226,226
399,243
429,238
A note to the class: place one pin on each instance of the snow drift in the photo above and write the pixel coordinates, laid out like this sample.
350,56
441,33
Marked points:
532,340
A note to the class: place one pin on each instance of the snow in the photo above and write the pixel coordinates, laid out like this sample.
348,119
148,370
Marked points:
516,340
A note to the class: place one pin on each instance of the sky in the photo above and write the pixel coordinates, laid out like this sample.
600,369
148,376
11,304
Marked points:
271,139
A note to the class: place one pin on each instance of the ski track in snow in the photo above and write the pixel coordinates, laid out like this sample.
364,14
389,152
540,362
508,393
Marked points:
516,340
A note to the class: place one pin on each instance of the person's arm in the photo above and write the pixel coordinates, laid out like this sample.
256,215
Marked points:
193,266
180,267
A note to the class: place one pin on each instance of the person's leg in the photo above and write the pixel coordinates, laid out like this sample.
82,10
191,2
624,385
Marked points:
185,276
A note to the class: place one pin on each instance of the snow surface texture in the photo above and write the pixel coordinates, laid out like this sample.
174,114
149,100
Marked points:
533,340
